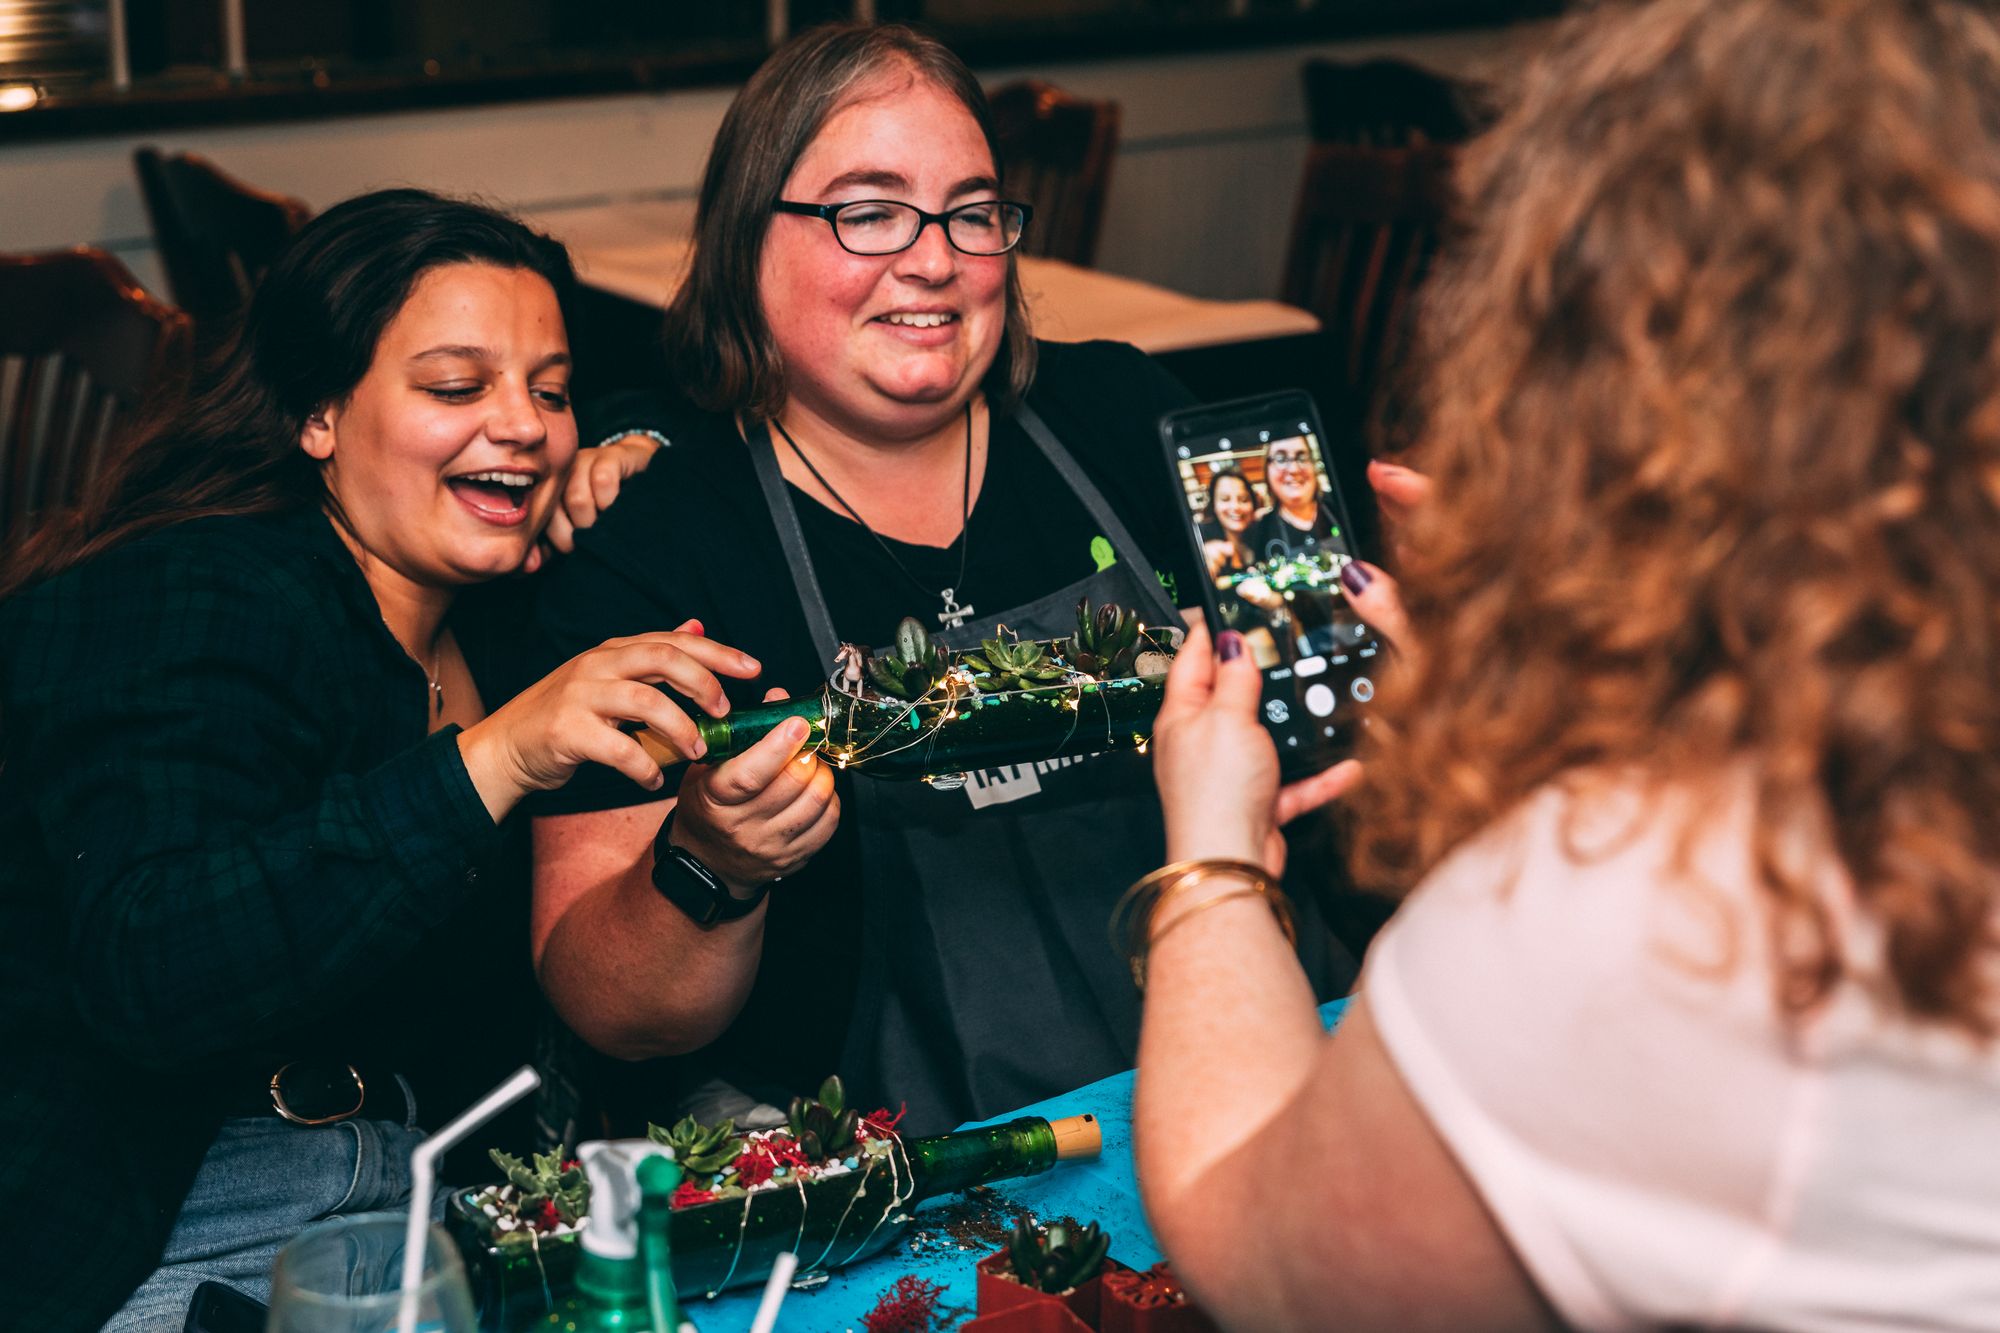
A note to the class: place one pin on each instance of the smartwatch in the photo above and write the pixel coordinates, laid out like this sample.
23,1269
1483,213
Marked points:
684,881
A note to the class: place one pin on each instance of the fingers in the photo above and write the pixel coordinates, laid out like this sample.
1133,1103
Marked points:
1238,683
561,532
626,755
803,808
536,557
774,694
744,777
1308,794
604,475
1377,599
632,702
1398,489
1192,675
618,654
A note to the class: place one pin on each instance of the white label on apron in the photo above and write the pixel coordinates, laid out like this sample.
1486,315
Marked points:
997,786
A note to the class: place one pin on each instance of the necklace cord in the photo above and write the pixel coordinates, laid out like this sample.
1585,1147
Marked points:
964,542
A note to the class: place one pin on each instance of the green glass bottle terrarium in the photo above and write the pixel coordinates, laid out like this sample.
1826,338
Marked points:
831,1186
920,711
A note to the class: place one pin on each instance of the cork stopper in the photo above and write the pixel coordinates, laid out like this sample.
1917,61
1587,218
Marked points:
656,747
1077,1136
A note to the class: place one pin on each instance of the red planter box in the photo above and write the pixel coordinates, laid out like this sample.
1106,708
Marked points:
998,1292
1039,1317
1150,1302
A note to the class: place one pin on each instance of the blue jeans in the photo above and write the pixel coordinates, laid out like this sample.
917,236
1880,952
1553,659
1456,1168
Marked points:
262,1181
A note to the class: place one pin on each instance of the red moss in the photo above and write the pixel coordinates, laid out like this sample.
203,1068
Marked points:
881,1124
911,1306
689,1194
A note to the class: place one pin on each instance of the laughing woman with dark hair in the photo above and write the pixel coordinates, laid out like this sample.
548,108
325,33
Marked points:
262,911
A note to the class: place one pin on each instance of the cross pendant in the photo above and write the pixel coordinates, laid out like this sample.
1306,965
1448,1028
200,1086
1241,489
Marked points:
953,614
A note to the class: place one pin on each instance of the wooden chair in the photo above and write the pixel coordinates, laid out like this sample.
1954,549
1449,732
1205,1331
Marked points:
1389,104
216,235
1368,222
1056,153
82,348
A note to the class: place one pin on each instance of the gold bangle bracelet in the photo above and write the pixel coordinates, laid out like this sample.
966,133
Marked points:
1132,915
1132,919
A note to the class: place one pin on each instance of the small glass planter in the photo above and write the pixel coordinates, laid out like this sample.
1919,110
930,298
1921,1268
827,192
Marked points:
515,1283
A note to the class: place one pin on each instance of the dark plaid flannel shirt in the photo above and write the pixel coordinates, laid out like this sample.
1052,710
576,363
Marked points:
222,832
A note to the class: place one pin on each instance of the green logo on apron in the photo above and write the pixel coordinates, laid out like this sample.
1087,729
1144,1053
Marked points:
1101,552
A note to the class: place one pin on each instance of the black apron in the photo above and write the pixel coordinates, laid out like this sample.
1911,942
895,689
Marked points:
987,979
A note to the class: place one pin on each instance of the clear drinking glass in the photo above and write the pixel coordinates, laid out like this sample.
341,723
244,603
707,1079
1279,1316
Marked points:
345,1276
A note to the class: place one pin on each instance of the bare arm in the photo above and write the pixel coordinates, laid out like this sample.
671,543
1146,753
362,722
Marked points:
631,973
1249,1121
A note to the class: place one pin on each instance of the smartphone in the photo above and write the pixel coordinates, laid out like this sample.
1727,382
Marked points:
217,1308
1270,529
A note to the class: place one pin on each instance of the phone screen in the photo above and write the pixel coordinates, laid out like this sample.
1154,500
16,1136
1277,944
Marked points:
1270,529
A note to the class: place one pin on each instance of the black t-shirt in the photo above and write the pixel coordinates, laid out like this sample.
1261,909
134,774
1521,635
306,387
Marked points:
692,537
1028,533
1271,537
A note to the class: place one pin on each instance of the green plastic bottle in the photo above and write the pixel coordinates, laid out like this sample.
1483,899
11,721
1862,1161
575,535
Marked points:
624,1271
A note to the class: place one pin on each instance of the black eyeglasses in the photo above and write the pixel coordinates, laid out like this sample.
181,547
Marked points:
884,226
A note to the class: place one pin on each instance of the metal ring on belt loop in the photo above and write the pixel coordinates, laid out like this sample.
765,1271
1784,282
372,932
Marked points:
278,1099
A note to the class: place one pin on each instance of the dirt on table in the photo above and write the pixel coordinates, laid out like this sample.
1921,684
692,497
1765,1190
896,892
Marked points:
976,1221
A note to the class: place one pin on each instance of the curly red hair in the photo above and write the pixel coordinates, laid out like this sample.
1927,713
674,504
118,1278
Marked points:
1712,400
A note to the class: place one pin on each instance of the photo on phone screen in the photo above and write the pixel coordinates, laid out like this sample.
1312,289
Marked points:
1271,530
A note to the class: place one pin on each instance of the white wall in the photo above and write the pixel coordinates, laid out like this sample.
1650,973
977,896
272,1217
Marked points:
1201,195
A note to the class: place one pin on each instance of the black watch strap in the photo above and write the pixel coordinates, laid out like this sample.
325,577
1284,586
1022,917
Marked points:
683,880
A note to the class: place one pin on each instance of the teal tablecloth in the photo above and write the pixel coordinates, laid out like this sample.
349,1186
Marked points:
1103,1191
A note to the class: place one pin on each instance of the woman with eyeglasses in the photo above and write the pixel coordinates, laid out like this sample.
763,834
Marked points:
1296,523
867,430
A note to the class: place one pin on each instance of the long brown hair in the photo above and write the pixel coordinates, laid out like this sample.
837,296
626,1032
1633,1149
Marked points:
232,447
1713,408
717,344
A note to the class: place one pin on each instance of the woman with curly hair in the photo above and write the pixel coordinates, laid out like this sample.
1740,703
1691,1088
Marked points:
1691,755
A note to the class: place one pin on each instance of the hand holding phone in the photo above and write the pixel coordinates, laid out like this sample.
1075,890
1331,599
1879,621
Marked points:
1267,522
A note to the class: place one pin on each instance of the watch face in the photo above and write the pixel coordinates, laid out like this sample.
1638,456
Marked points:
685,882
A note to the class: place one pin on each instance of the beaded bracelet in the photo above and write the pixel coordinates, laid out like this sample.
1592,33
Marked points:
655,436
1132,934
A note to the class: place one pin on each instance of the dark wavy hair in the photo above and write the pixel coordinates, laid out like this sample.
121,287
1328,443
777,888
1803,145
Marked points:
1713,409
717,344
307,338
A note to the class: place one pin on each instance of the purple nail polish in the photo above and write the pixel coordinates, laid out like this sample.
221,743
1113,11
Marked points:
1355,577
1229,646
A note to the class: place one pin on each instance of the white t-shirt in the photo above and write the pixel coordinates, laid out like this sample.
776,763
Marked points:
1596,1037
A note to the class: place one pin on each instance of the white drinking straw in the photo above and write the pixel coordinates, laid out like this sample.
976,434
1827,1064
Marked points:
775,1288
423,1172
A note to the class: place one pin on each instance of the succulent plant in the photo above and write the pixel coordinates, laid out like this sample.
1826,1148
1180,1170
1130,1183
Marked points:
700,1149
912,667
1106,640
1056,1259
1014,666
824,1126
549,1181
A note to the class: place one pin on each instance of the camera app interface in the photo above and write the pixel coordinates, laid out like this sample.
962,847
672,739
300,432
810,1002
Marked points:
1270,535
